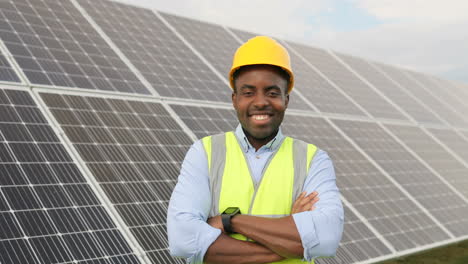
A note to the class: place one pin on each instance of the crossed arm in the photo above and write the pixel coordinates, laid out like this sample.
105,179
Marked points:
194,236
275,238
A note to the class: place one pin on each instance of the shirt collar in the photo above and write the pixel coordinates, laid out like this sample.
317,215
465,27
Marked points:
245,144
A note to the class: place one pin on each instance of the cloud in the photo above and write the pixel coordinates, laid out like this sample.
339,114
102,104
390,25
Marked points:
420,39
427,10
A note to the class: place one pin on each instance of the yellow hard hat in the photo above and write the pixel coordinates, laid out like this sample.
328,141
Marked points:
262,50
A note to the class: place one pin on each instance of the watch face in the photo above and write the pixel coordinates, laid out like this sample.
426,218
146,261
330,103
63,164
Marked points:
231,210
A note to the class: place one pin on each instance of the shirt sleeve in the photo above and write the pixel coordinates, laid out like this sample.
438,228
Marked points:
188,233
321,229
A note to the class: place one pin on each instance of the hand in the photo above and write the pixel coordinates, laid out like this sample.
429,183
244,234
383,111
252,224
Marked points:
305,203
216,222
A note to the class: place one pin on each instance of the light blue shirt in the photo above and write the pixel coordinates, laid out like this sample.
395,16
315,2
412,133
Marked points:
189,234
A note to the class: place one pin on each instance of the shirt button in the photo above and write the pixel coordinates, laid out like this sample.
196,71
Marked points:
257,156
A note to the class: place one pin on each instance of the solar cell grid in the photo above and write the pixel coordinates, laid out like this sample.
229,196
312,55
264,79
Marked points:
455,142
348,82
391,90
418,91
357,244
435,155
163,59
134,150
442,92
48,211
319,91
383,205
204,121
433,194
243,35
7,73
212,41
54,45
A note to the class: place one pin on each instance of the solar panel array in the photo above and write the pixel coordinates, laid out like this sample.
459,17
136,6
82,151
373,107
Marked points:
99,101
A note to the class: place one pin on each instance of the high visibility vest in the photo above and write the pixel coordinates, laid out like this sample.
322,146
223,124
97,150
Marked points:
232,184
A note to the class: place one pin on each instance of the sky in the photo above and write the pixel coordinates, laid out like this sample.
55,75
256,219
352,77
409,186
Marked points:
429,36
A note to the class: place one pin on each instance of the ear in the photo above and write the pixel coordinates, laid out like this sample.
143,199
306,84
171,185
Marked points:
286,101
234,99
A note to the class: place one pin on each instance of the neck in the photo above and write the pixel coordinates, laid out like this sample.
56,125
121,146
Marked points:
259,142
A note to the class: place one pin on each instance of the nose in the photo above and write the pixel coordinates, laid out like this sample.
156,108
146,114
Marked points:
260,101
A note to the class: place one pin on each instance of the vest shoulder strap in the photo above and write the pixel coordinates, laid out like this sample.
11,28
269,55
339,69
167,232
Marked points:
215,149
303,154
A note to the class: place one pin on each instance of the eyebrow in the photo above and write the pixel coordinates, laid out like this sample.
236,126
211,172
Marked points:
248,86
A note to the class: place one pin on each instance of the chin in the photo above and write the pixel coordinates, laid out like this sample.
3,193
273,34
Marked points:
261,134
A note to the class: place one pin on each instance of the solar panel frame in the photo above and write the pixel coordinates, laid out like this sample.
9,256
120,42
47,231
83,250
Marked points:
8,73
455,140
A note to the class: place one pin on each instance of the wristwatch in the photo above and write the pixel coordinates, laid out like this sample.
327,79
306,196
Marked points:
226,218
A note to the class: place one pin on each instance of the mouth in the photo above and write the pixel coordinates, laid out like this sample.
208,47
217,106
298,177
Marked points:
260,118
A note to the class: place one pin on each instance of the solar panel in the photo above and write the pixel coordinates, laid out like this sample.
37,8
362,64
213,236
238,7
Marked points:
398,95
96,188
206,121
433,194
319,91
55,45
7,73
454,88
48,211
435,155
163,59
212,41
453,140
243,35
399,221
348,82
134,150
441,91
358,243
419,92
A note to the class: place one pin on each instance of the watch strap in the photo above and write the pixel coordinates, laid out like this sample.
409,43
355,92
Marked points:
226,219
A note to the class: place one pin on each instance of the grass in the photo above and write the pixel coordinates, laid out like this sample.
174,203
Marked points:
452,254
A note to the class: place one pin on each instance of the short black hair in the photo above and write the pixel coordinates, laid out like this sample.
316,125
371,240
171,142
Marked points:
280,70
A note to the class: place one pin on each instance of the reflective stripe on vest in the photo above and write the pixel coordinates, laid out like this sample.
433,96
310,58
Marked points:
232,183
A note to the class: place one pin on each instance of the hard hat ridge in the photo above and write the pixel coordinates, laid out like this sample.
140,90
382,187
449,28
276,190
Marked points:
262,50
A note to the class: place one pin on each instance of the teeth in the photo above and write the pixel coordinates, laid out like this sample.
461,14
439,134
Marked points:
260,117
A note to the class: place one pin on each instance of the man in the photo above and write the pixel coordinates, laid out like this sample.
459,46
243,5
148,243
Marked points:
252,195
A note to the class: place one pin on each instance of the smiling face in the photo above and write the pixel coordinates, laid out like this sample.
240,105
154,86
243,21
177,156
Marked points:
260,100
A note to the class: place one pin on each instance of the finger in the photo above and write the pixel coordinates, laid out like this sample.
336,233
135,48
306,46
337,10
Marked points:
308,198
299,199
312,195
